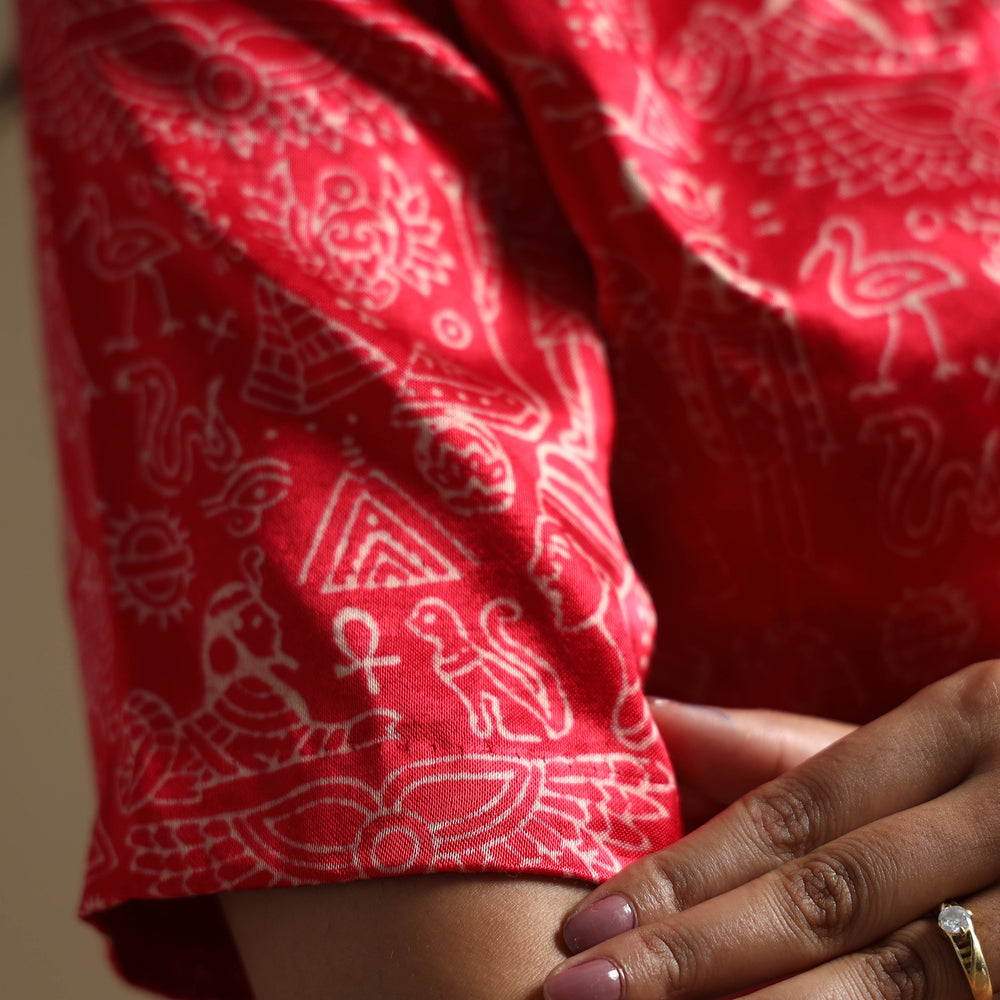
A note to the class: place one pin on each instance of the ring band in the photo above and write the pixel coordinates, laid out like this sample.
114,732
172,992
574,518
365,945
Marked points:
956,923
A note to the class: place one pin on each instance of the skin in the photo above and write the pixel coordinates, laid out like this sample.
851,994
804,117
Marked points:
480,937
433,937
823,853
827,876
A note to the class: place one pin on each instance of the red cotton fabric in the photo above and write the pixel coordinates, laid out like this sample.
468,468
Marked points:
417,365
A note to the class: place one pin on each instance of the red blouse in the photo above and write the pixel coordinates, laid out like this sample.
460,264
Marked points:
346,304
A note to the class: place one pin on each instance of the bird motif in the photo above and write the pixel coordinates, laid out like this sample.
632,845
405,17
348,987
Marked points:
124,250
889,135
885,284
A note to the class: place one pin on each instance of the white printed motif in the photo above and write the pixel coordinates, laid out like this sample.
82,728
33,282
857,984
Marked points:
151,564
923,492
709,64
506,687
102,861
451,329
803,39
251,717
250,490
456,304
731,349
585,811
369,239
606,24
897,136
889,284
653,122
980,216
185,77
303,361
192,190
356,634
367,538
574,562
434,387
456,412
125,251
169,434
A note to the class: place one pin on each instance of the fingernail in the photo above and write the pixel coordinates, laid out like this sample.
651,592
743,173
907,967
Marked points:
687,706
601,920
595,980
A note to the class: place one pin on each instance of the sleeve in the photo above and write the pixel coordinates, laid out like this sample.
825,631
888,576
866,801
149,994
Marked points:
334,423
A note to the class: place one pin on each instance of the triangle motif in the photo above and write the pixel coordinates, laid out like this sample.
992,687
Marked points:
379,550
370,542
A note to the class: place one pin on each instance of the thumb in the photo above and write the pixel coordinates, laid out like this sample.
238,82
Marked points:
719,755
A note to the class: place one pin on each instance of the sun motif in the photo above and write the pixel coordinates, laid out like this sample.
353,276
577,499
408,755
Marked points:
151,565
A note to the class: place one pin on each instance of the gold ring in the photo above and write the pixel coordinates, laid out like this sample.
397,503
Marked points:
956,922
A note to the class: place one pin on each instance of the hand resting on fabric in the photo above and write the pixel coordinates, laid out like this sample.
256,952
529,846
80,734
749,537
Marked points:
480,937
820,883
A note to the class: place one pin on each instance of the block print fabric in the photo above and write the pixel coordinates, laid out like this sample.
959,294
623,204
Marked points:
433,379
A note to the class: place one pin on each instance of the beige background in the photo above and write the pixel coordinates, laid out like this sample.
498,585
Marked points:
45,781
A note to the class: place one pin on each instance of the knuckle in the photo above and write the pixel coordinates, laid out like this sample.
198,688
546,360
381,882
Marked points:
974,696
827,892
671,883
980,689
895,971
670,960
784,819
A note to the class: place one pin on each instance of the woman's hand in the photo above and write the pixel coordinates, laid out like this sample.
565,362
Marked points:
823,877
719,755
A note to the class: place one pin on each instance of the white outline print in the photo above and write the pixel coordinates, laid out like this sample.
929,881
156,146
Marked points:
451,329
151,565
456,410
654,122
922,491
435,387
251,718
357,645
980,216
886,284
507,689
124,250
250,490
590,810
251,713
895,136
710,64
367,244
169,434
102,860
373,536
303,361
112,76
805,39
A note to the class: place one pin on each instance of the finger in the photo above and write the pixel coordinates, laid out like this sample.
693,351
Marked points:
909,756
916,962
726,752
853,891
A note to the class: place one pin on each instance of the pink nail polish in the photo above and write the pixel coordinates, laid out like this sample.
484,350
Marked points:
596,980
601,920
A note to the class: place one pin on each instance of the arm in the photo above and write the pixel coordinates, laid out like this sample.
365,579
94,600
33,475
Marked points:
432,937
